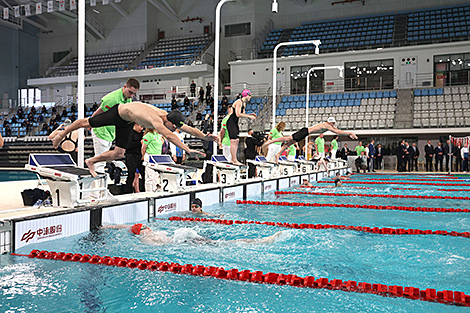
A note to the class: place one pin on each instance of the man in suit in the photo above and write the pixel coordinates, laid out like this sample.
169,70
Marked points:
439,156
379,156
458,157
407,157
414,151
447,154
401,156
345,152
371,156
429,152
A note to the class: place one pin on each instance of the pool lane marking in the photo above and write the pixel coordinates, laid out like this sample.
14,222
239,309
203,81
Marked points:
430,294
368,195
374,230
356,206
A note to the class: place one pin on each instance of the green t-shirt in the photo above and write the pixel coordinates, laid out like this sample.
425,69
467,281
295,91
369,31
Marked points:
274,133
292,150
154,143
320,142
226,139
359,149
108,133
334,145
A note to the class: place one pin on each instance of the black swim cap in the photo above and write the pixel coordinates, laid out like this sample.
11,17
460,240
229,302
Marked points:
197,201
176,117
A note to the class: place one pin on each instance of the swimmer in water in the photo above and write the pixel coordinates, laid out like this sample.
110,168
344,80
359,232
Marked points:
196,208
306,183
157,238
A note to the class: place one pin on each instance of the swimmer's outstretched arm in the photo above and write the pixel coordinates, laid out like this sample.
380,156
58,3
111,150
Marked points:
199,134
117,226
269,239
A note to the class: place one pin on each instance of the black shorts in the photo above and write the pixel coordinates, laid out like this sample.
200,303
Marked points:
112,118
300,135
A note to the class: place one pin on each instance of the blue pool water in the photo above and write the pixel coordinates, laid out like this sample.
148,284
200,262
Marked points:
15,175
440,262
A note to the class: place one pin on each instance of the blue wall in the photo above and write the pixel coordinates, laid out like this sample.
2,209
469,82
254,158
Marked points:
19,59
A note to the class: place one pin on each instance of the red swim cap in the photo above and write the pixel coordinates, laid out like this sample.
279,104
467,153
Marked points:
136,228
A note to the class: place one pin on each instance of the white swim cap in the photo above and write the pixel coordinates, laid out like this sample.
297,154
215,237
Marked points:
331,120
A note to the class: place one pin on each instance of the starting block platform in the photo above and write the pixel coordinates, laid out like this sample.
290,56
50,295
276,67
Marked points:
306,166
336,164
229,173
264,169
174,177
70,185
286,167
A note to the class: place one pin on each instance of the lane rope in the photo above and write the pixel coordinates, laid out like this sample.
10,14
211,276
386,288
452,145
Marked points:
368,195
430,294
357,206
394,183
374,230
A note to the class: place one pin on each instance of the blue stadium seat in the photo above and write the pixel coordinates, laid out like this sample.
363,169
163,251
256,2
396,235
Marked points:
425,92
365,95
393,94
417,92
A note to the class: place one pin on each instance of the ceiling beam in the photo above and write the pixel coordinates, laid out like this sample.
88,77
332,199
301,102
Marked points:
164,10
169,7
119,9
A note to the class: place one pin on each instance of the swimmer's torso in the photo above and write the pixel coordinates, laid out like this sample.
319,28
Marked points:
141,113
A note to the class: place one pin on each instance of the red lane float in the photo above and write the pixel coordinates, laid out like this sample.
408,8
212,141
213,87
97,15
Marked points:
394,183
357,206
392,188
374,230
430,294
368,195
419,179
453,190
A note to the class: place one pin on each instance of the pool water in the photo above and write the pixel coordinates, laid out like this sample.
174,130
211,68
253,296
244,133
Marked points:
15,175
424,261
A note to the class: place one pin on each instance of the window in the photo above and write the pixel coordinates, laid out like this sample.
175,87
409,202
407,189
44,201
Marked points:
298,79
451,70
242,29
368,75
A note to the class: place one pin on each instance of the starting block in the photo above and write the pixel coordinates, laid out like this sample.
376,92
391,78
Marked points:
173,177
306,166
264,169
286,167
229,173
70,185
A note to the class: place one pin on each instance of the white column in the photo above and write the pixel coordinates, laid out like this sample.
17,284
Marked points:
216,67
81,77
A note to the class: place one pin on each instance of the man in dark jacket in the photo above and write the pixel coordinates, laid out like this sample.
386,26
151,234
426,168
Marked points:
429,152
345,152
252,145
414,152
439,155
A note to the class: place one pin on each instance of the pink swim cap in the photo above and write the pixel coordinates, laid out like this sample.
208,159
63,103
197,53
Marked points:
246,92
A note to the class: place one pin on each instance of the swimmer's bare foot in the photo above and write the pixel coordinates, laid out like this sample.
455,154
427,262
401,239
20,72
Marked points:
237,163
56,140
277,156
91,167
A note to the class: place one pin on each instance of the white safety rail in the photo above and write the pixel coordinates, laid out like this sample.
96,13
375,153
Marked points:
173,177
70,185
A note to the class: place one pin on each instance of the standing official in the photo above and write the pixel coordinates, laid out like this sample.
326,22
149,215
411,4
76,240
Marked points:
429,151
